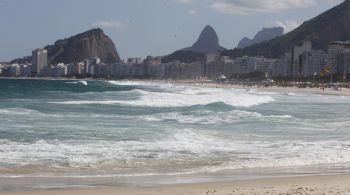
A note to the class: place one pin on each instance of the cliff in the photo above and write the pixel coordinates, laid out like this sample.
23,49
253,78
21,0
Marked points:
92,43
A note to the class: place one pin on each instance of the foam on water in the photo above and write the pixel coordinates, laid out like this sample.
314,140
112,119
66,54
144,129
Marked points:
207,152
160,129
79,82
188,97
210,117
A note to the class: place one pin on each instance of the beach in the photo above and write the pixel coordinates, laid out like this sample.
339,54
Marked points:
156,137
272,88
308,185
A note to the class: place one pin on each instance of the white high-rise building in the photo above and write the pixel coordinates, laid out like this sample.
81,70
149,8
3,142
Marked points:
39,61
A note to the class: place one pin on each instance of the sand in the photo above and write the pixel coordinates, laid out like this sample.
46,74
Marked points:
314,185
318,91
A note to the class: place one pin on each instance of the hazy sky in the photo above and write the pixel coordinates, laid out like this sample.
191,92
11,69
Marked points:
142,27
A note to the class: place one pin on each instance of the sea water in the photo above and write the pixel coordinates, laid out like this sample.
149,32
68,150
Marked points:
61,133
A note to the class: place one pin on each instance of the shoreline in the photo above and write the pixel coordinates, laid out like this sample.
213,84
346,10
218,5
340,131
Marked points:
316,184
195,83
314,91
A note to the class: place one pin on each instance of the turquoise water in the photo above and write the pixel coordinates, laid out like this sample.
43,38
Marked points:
80,129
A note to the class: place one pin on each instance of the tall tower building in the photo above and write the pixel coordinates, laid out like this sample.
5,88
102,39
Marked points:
39,61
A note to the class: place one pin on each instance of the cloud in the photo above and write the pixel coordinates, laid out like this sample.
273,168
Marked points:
183,1
192,12
288,25
109,24
249,7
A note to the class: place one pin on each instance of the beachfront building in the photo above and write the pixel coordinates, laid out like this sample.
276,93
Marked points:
343,63
14,70
25,70
39,61
211,66
313,62
59,70
90,65
297,57
335,49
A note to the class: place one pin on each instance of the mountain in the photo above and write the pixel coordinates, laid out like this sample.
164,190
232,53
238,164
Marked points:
330,26
208,42
92,43
265,34
184,57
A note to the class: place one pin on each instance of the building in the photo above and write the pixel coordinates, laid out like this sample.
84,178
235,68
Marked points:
25,70
15,70
39,61
313,62
2,66
334,49
297,52
285,68
211,66
343,64
59,70
151,61
90,66
76,69
134,61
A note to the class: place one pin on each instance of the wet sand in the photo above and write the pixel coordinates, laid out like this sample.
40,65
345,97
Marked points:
313,185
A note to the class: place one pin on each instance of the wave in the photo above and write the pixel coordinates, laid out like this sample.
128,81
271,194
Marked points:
207,152
210,117
18,111
185,98
79,82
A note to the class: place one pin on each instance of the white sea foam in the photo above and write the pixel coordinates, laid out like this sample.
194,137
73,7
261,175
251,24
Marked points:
183,149
210,117
138,83
77,82
17,111
187,97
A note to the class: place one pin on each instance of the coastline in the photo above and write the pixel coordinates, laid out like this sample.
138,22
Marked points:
318,184
315,91
195,83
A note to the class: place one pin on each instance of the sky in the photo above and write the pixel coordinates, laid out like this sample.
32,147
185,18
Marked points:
145,27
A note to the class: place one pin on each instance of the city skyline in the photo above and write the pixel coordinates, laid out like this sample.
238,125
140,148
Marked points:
135,26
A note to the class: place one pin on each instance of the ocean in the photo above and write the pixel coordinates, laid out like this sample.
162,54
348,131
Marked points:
74,133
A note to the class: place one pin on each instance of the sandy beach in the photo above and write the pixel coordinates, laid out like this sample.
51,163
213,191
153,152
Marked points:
313,185
318,91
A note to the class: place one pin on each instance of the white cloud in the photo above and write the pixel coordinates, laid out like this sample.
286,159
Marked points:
109,24
288,25
183,1
192,12
248,7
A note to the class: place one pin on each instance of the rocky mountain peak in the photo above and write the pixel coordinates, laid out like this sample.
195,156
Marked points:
265,34
92,43
208,42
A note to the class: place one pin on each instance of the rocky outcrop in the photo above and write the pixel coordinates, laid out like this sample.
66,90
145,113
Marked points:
92,43
208,42
265,34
